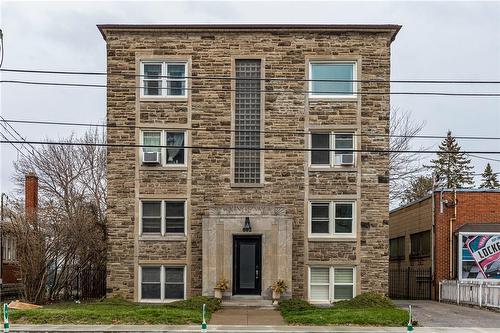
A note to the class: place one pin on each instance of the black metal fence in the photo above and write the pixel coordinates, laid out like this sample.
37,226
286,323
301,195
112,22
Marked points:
90,283
410,283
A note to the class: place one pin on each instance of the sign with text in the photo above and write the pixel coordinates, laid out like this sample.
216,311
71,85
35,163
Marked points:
480,256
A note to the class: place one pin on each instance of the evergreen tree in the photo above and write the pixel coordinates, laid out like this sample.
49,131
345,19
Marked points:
418,188
452,166
489,179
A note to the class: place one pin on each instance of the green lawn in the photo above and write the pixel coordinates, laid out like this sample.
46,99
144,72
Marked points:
117,311
366,310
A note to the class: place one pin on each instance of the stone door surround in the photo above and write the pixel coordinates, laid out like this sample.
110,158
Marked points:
225,221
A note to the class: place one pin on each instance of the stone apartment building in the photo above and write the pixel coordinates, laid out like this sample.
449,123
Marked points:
189,209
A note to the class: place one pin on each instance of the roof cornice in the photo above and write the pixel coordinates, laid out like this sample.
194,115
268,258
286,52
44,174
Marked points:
389,28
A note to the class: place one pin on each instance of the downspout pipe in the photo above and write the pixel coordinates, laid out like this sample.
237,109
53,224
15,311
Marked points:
452,220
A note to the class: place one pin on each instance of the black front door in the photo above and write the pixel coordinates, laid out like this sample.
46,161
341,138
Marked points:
247,265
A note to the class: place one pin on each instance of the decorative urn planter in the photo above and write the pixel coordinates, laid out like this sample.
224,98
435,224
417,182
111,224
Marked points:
276,296
218,293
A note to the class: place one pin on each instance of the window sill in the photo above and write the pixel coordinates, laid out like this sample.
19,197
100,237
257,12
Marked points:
163,99
244,185
333,169
158,167
171,238
159,301
348,98
332,239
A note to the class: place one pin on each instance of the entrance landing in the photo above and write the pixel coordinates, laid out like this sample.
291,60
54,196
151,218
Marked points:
247,315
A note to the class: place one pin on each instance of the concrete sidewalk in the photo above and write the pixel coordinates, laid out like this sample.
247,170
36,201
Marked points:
247,316
240,329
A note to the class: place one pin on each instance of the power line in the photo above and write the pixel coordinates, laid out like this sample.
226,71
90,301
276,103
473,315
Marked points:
252,79
251,90
484,158
284,132
123,145
13,145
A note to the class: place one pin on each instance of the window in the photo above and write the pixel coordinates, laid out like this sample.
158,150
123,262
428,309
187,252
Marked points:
162,283
397,248
164,156
164,79
247,118
332,219
420,244
9,248
328,284
163,217
333,149
332,79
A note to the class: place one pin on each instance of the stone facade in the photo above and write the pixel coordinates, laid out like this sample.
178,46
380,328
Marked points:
288,181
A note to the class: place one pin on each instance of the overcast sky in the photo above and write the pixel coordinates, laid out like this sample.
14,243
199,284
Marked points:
439,40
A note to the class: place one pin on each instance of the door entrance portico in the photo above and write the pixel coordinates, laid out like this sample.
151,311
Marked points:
223,231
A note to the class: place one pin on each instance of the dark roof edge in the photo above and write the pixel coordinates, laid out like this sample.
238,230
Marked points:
252,27
458,190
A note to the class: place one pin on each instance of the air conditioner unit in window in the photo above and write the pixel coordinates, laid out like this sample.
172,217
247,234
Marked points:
347,159
151,157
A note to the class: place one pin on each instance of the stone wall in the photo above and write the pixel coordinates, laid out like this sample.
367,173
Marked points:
206,182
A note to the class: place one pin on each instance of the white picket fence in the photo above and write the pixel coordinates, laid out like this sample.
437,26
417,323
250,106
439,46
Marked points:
477,293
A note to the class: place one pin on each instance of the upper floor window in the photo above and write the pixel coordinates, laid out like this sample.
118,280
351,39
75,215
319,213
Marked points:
328,149
420,244
163,79
165,156
9,248
332,219
332,79
163,217
397,248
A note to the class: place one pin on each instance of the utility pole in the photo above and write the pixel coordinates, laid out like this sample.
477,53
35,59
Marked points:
1,239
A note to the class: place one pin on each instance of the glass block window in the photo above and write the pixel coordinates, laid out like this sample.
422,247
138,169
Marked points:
151,283
332,219
329,284
334,79
163,79
162,283
247,167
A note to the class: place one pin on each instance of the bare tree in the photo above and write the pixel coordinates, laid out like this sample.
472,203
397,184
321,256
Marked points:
403,167
70,226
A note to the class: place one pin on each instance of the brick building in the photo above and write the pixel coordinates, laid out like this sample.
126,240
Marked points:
180,219
432,232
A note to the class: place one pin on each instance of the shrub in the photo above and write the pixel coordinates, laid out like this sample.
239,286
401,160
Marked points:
196,303
367,300
295,304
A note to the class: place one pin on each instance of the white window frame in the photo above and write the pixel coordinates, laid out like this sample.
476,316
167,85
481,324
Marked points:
164,79
331,284
333,153
163,232
162,298
354,94
163,150
9,248
331,219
